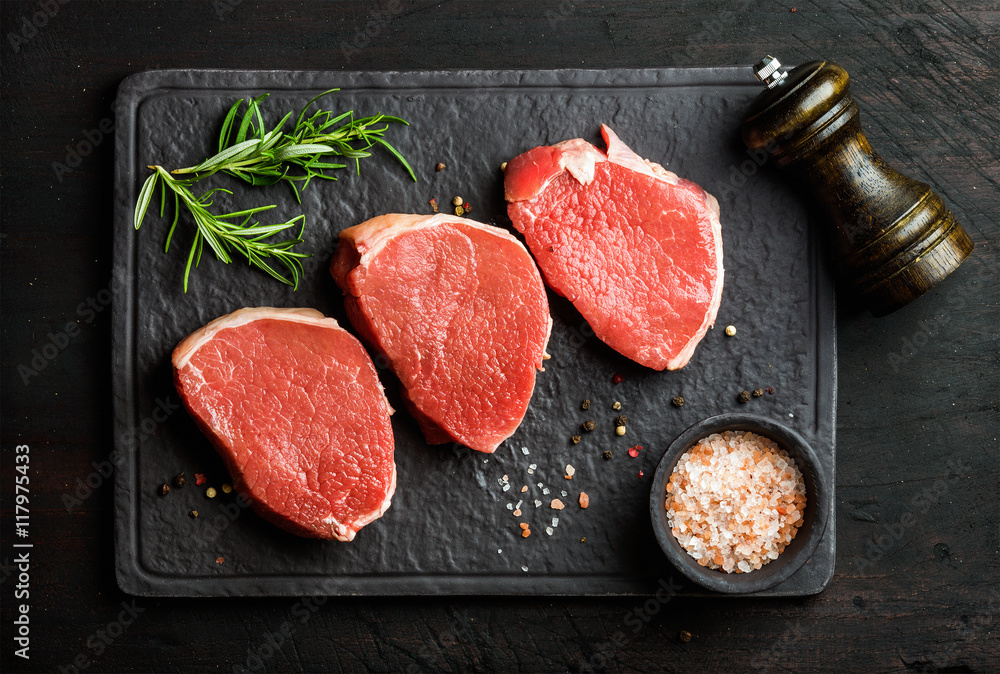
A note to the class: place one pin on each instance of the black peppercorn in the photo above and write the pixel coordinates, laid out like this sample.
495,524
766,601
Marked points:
744,396
677,401
685,636
180,480
589,425
607,455
585,405
620,420
165,489
758,392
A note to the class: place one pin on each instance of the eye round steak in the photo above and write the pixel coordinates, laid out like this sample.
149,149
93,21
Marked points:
458,310
293,404
636,249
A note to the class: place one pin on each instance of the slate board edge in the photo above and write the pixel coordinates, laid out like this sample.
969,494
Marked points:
133,579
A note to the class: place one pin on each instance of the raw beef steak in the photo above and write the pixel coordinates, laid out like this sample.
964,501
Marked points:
293,404
635,248
459,312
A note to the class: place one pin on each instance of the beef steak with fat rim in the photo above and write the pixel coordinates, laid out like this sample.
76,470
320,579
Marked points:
635,248
293,404
458,310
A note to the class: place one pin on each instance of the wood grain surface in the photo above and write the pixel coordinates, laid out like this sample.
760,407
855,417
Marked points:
918,521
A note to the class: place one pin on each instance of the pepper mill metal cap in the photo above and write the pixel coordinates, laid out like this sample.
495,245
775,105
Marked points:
767,70
893,237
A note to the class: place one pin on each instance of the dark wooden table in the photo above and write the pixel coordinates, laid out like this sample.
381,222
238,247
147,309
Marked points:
917,586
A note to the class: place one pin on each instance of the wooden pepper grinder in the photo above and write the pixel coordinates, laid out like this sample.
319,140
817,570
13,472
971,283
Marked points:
893,237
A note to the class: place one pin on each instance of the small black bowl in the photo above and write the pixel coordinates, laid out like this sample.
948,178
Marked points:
797,552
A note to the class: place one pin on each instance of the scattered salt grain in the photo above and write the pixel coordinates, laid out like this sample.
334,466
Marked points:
531,471
548,530
524,568
524,450
532,466
506,487
519,504
538,504
545,490
499,551
555,521
564,494
735,500
510,506
505,478
570,470
539,484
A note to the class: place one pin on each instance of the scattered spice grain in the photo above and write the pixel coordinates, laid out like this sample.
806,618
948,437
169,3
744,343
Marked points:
457,201
743,397
641,474
220,560
434,205
503,166
199,479
440,166
770,390
730,330
180,480
585,405
164,489
210,492
621,420
634,451
607,454
227,488
758,392
685,635
193,513
617,406
617,379
459,211
619,430
677,401
589,425
576,439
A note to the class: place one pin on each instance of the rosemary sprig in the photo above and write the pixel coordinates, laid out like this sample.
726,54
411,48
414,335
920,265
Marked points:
261,157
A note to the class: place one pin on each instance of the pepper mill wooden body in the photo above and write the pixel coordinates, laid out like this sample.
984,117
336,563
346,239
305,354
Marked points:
893,236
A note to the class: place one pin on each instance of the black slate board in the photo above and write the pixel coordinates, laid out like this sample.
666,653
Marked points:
449,517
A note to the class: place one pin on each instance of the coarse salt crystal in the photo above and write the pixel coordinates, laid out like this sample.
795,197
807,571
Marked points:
524,450
723,503
545,490
548,530
532,466
538,504
564,493
570,470
510,506
524,568
506,487
555,521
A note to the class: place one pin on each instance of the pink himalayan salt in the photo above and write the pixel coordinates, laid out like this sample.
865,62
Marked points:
735,500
